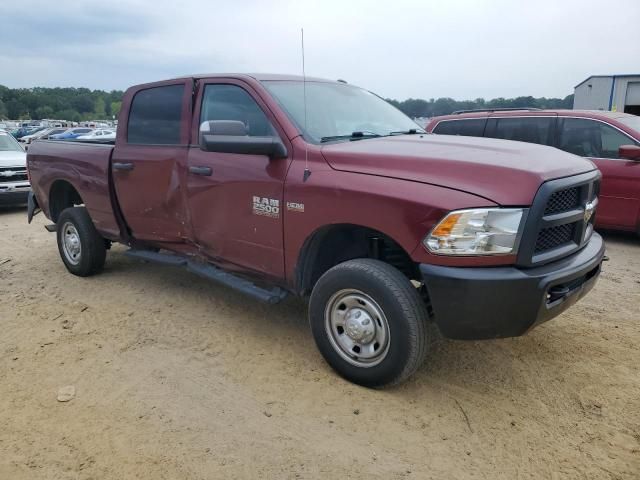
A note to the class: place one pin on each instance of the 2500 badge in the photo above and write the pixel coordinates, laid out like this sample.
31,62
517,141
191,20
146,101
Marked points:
266,207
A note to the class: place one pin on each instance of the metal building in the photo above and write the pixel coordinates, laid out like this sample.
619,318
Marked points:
618,93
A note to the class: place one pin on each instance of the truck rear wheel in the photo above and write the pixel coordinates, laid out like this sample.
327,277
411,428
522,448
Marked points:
81,247
369,322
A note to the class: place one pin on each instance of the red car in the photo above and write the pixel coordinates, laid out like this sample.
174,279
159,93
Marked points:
610,139
388,230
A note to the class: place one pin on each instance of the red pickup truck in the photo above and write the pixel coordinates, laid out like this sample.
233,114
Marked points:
273,185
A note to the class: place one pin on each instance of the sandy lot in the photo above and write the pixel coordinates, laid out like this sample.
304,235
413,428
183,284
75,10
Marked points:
178,378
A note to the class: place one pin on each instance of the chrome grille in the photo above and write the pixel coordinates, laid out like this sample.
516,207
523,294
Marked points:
13,174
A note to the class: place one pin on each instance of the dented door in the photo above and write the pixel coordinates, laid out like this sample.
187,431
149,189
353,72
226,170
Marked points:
149,161
235,200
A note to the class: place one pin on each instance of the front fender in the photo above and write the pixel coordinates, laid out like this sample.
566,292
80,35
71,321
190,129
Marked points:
403,210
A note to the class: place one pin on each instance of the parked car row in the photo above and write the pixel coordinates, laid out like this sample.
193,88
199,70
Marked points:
62,133
28,133
611,140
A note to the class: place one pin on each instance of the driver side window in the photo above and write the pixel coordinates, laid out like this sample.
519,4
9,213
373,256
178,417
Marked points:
230,102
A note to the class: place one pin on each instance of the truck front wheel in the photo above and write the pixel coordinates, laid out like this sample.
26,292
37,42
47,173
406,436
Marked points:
81,247
369,322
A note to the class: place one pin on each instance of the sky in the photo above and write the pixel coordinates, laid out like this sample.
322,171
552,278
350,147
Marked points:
399,49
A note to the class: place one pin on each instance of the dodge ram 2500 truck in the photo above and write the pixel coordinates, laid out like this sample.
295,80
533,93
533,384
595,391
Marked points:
275,185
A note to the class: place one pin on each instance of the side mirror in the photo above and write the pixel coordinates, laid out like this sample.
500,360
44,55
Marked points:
630,152
230,136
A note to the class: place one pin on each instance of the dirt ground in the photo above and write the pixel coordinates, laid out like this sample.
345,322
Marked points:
178,378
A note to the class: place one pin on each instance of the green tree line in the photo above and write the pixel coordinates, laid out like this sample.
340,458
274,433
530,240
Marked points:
77,104
73,104
417,107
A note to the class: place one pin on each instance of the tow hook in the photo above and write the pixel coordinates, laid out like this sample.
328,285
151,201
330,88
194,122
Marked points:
557,293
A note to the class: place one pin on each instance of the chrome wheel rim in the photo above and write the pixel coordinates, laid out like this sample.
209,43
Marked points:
357,328
71,246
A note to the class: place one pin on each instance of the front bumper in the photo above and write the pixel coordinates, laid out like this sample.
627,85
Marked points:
478,303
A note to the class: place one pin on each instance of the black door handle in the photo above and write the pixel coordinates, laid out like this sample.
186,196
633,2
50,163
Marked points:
123,166
205,171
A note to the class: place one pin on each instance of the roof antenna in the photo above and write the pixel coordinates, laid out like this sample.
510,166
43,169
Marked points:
307,172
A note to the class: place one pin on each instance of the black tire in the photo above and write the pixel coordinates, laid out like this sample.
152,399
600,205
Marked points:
401,305
92,252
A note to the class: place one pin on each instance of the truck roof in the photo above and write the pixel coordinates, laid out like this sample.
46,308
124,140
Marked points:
255,76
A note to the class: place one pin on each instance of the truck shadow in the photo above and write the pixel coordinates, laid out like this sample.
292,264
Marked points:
8,209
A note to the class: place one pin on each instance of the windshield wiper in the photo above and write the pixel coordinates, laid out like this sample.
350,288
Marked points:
411,131
352,136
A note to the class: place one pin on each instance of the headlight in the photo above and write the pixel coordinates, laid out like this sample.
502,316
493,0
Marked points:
482,231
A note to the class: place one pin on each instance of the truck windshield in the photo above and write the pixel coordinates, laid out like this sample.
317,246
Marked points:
8,144
337,111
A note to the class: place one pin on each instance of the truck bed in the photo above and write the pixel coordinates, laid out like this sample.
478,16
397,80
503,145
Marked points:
83,165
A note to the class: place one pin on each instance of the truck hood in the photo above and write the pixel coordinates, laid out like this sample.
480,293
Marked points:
505,172
13,159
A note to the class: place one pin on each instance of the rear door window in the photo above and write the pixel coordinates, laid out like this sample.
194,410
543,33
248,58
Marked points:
470,127
523,129
590,138
155,116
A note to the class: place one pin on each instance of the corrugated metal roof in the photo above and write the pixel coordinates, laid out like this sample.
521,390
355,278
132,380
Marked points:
609,76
